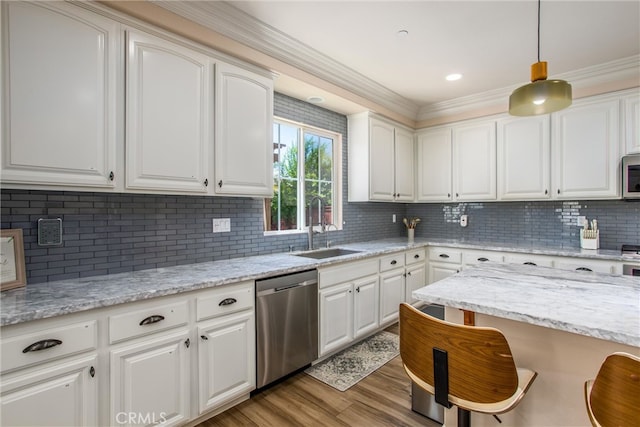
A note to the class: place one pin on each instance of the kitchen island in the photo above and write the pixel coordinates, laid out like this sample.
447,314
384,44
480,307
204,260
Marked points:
561,324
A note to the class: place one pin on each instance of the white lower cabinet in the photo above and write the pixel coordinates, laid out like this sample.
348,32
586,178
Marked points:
392,285
150,381
63,394
443,262
226,359
416,278
336,317
365,306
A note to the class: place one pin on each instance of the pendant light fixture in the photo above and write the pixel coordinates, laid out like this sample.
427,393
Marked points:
541,96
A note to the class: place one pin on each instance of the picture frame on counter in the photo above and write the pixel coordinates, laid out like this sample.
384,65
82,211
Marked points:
12,267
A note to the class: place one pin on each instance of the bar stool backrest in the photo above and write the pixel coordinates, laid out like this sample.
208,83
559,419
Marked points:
481,366
613,398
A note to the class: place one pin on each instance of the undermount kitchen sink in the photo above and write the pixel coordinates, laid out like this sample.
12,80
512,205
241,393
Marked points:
326,253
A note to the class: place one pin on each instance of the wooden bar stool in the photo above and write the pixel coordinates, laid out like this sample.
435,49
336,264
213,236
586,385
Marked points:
613,398
467,366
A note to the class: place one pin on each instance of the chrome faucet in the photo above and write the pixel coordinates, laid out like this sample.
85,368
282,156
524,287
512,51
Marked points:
310,222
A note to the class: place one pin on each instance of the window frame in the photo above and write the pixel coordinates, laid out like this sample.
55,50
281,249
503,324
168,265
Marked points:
336,177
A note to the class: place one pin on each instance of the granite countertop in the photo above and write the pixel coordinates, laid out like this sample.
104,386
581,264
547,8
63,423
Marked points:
597,305
51,299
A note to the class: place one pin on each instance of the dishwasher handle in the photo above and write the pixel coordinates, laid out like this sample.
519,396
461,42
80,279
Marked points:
276,289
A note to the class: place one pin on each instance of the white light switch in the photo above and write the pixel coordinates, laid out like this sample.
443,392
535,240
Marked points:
221,225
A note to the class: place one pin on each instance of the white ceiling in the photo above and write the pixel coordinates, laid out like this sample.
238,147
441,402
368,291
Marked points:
492,43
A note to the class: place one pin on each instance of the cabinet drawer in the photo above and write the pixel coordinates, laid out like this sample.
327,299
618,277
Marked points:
346,272
390,262
415,256
526,259
584,265
147,321
445,255
225,300
475,258
49,344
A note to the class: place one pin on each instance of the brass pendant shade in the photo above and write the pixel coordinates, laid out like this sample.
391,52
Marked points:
541,96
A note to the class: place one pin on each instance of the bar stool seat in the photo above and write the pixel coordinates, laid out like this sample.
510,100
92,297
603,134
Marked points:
613,397
467,366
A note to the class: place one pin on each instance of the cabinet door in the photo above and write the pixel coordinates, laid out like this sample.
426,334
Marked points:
441,271
434,165
64,394
381,154
366,307
243,146
524,158
168,115
226,359
391,295
403,166
474,159
59,103
336,317
631,105
150,380
416,279
585,140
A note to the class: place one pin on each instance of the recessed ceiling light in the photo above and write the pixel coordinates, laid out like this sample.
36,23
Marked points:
453,77
402,33
315,99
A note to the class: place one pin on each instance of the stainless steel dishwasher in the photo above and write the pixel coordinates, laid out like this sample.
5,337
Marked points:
286,324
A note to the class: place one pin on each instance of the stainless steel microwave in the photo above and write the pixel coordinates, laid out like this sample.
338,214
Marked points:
631,176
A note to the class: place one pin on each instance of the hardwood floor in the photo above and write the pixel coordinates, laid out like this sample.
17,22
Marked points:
381,399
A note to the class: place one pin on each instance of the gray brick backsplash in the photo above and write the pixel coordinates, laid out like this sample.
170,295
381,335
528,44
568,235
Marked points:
111,233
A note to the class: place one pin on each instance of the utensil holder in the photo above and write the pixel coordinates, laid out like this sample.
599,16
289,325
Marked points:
589,239
411,234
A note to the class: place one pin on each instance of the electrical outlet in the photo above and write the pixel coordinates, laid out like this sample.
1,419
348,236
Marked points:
463,220
221,225
393,218
580,220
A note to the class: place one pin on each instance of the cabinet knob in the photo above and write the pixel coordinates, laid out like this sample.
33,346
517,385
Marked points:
546,192
112,176
151,320
220,183
187,343
204,338
92,371
206,182
408,273
457,195
42,345
448,194
358,289
558,191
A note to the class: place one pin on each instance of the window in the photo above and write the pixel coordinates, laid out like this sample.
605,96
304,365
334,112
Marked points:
306,167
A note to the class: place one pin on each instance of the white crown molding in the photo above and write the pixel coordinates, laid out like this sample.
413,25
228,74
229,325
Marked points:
602,74
224,18
231,22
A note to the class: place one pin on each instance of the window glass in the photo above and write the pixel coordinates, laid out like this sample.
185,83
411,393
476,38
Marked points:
304,170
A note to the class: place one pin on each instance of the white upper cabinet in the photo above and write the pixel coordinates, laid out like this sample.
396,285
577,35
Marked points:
434,165
59,101
381,160
631,105
381,163
524,158
244,126
169,115
474,160
404,166
586,152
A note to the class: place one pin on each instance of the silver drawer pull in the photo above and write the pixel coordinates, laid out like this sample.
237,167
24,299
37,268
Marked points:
151,320
228,301
443,256
41,345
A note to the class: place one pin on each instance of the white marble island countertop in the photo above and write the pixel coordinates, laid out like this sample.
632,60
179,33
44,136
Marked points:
591,304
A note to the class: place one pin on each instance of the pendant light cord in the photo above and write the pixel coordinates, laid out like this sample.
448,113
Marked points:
538,30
